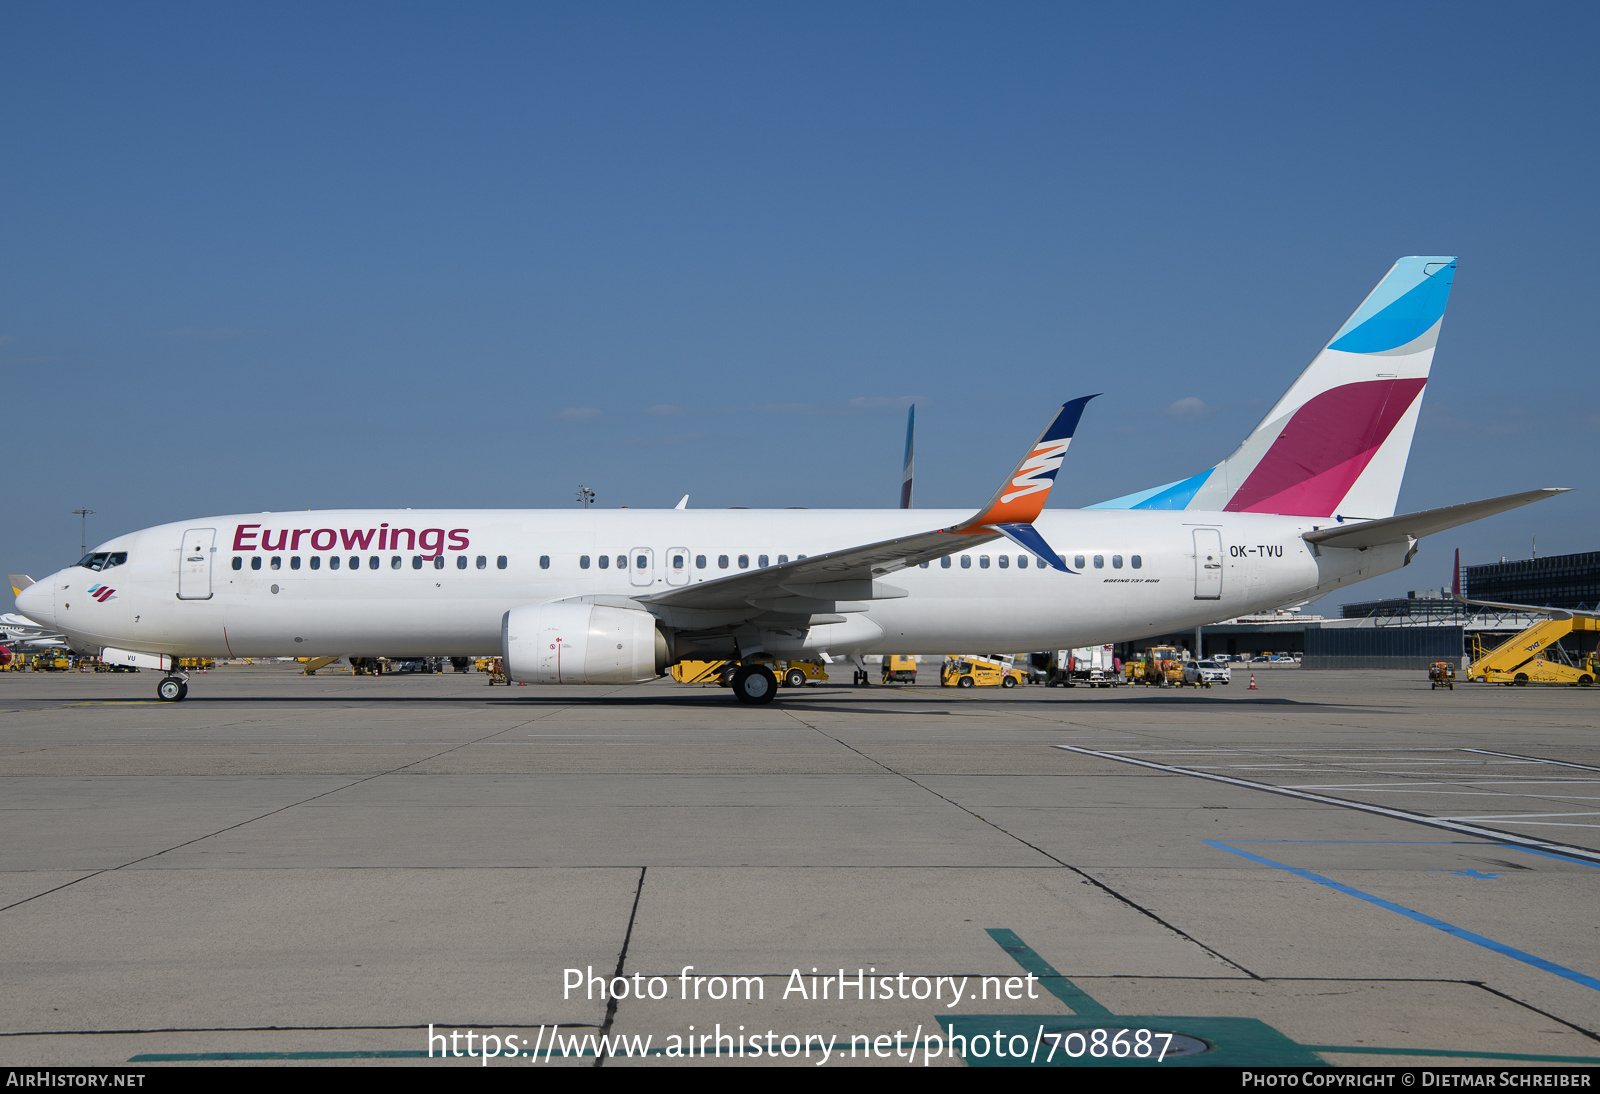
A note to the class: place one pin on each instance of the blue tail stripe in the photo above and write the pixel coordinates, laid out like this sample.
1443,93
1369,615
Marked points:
1174,495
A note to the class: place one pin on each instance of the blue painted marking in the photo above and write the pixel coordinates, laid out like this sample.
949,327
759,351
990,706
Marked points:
1420,917
1549,854
1464,873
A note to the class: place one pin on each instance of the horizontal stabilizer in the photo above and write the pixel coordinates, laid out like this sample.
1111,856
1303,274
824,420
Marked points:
1374,533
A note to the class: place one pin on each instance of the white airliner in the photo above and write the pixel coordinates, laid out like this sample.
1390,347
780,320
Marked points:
1305,505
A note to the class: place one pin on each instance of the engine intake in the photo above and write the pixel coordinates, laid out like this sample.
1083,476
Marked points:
571,643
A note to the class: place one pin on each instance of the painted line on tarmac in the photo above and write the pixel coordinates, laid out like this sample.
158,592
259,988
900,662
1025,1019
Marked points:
1421,917
1532,759
1491,834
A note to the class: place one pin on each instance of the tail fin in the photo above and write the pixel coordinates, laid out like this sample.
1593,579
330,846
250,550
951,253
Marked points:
1338,440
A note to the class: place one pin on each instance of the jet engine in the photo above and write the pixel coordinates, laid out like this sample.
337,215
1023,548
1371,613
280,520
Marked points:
574,643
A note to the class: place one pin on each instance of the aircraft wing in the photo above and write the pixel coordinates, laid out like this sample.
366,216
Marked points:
816,584
21,630
1374,533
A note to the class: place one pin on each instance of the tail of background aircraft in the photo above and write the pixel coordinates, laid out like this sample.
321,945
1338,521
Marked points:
1338,440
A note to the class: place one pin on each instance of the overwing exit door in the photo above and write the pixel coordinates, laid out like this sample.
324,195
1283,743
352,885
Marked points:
194,563
642,566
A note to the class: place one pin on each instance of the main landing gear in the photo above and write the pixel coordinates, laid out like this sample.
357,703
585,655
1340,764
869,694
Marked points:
173,689
755,684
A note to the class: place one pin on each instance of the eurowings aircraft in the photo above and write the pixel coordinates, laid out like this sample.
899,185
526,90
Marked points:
22,632
1304,506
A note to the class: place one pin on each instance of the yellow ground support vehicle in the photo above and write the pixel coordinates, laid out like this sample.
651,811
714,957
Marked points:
203,664
51,662
1441,674
1535,657
899,669
790,674
979,672
1158,665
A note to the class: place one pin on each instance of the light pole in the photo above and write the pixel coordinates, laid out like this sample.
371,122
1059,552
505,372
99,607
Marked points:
85,514
585,495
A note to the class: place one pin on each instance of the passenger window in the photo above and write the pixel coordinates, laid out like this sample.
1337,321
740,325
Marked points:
744,562
255,562
416,562
355,562
394,563
238,563
923,565
1137,561
500,562
944,562
316,562
374,563
641,563
1004,561
294,562
966,562
461,562
1022,562
761,562
1116,562
782,559
333,562
438,562
722,562
677,562
699,562
983,562
1099,562
544,561
277,562
1077,560
605,562
583,562
483,562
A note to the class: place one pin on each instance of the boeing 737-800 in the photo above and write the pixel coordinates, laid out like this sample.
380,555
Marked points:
1305,505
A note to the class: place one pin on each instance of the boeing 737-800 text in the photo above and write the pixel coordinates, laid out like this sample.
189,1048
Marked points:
1305,505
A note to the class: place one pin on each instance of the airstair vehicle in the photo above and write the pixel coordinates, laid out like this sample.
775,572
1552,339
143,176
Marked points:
1535,656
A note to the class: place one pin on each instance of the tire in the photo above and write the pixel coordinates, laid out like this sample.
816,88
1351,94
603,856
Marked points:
171,689
794,678
965,682
755,684
1009,682
1585,680
1521,680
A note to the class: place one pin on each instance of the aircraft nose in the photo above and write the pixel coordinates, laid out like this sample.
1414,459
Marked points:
37,603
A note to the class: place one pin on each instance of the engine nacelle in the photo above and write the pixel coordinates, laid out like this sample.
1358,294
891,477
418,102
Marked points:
570,643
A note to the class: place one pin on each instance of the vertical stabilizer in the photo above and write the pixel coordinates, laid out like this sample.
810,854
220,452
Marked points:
905,476
1338,440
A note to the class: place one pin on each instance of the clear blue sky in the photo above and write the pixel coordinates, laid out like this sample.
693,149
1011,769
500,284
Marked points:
288,256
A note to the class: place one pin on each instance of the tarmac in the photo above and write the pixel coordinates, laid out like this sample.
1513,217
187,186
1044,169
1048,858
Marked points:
1340,868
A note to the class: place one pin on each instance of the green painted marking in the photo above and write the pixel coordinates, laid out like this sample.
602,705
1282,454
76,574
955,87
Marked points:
1078,1000
1464,1054
1234,1042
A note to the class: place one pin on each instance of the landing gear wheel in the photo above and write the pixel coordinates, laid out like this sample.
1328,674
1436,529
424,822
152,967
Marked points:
171,689
794,678
755,684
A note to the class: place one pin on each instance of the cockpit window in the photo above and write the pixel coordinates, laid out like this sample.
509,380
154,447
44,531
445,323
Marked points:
103,560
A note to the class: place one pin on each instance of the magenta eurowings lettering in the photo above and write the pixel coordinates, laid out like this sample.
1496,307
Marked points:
432,541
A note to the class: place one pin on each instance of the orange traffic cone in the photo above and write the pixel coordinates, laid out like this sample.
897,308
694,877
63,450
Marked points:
1252,686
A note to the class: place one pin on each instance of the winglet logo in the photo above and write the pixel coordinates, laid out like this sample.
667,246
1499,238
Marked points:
1038,471
102,593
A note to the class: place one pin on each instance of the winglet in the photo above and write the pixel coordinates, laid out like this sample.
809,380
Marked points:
1020,499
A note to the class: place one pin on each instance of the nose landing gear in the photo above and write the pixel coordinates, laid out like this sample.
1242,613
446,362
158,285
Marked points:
173,689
